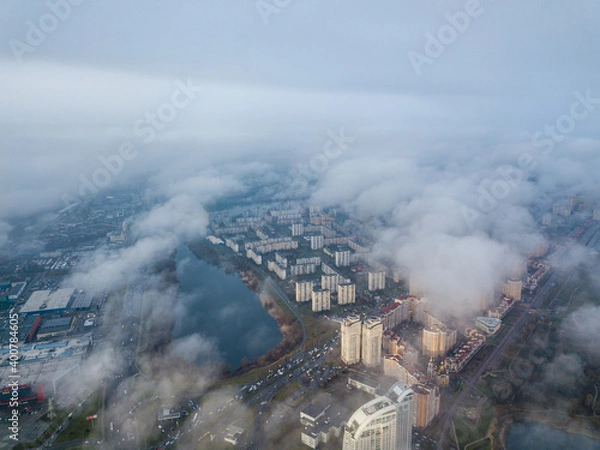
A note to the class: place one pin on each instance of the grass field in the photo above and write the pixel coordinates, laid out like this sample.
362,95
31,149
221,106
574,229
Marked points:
467,431
79,427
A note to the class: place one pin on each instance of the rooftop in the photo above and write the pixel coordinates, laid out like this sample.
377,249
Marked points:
47,300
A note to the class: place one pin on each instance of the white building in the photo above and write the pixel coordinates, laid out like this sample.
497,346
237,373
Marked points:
384,423
488,325
512,288
342,258
321,300
372,340
254,256
351,339
304,291
346,293
316,242
297,229
280,271
376,280
330,282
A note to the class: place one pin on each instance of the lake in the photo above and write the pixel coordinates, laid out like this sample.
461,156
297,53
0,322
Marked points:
220,312
541,436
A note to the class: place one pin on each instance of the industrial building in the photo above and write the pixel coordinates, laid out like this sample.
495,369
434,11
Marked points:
27,393
55,327
47,301
82,300
15,290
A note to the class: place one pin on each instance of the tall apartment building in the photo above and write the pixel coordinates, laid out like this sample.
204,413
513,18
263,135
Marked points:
402,396
346,293
316,242
297,229
304,291
254,256
436,340
280,271
303,269
418,309
342,258
327,269
376,280
281,259
372,340
384,423
321,300
351,339
426,403
512,288
330,282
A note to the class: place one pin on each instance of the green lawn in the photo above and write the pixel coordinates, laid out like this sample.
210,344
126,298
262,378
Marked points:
79,427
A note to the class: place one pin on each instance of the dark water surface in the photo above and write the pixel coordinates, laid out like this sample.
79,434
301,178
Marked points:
540,436
217,311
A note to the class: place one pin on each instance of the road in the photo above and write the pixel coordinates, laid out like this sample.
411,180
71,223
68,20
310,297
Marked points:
287,301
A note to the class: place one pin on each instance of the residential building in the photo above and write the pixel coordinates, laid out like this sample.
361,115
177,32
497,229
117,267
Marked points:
297,229
304,291
321,300
351,339
342,258
330,282
512,288
372,339
426,403
384,423
376,280
346,293
316,242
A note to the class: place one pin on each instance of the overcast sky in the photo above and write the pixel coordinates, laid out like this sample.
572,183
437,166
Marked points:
259,89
